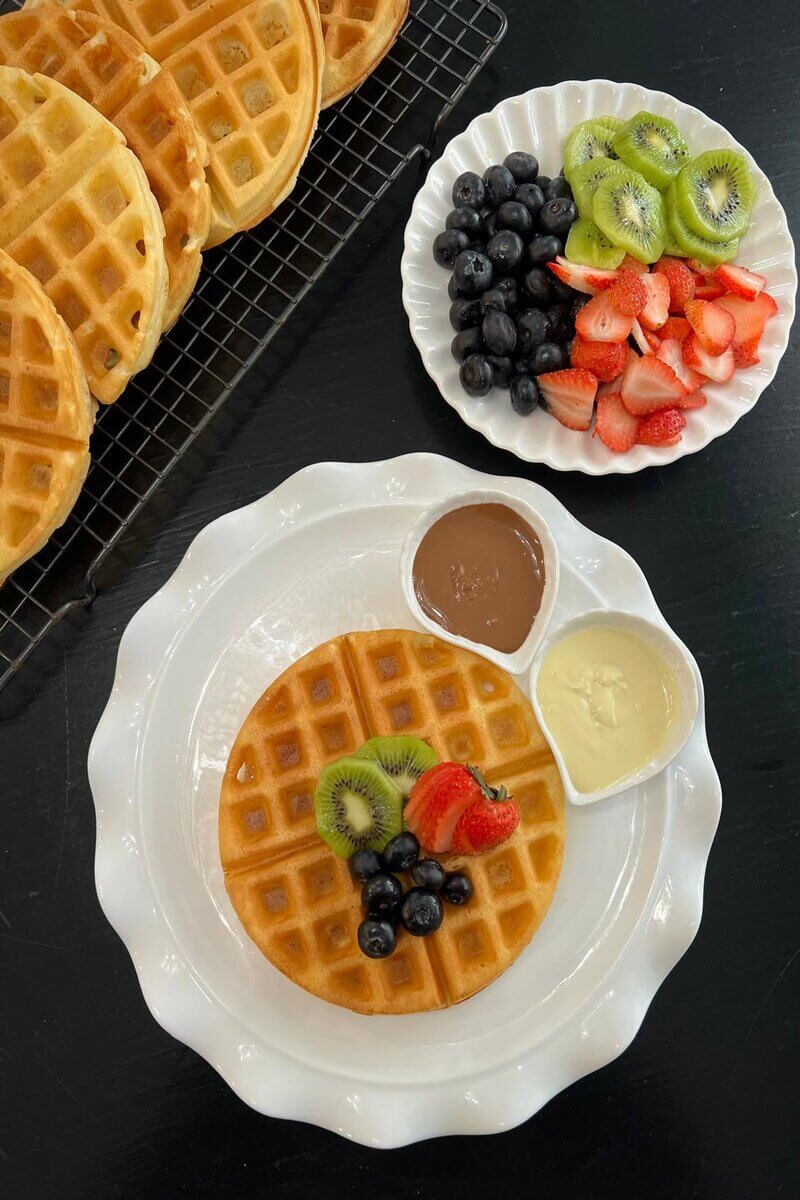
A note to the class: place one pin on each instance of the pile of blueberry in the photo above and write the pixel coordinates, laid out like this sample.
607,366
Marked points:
419,910
513,319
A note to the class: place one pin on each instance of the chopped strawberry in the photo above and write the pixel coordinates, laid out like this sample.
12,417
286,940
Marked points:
750,317
746,353
615,426
436,803
675,327
662,428
671,353
600,321
648,384
680,280
485,825
693,400
583,279
656,311
694,264
628,294
709,289
719,367
606,360
646,341
629,263
739,281
570,396
714,326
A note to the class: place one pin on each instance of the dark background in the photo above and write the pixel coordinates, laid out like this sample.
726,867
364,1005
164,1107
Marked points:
95,1099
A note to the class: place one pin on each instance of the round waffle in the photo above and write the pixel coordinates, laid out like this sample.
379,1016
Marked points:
77,211
110,70
358,33
46,417
297,900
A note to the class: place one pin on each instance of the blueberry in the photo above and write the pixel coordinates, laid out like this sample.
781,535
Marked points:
524,395
467,220
469,341
559,189
421,912
489,226
499,333
522,366
509,288
401,851
428,873
559,318
561,291
543,249
524,167
376,938
380,894
548,357
499,185
468,191
505,251
495,300
513,215
557,217
472,272
476,375
531,196
537,285
364,864
452,289
457,887
533,328
544,182
464,313
448,245
580,301
502,370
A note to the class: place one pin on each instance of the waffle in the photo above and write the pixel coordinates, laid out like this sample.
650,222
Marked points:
296,899
358,33
109,69
76,210
251,73
46,417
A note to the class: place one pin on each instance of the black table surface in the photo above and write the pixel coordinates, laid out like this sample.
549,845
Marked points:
96,1100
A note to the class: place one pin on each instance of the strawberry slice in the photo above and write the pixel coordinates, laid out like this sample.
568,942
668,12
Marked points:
719,367
675,327
582,279
709,290
642,342
606,360
484,826
662,428
629,263
670,351
656,311
714,326
750,317
615,426
601,321
705,272
648,384
570,395
628,294
693,400
680,279
436,802
746,354
739,281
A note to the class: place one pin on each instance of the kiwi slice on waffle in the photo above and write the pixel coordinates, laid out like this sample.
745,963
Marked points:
652,146
714,194
588,245
403,759
357,806
631,214
589,139
688,242
586,179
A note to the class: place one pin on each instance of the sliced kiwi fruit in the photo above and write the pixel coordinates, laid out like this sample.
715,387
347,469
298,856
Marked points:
357,806
715,193
586,179
688,242
652,146
403,759
614,123
587,244
631,214
589,139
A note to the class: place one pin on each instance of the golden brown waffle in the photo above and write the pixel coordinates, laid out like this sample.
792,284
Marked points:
296,899
76,210
46,417
251,73
110,70
358,33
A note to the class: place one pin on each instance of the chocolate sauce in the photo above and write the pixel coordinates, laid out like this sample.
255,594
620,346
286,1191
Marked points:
479,573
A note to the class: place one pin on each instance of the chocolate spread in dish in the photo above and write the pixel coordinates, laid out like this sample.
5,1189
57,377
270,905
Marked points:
479,573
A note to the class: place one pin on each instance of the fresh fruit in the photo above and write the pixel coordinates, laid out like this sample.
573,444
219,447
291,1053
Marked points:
586,179
548,357
357,806
750,317
615,426
605,360
569,396
589,139
601,321
718,367
457,887
485,825
476,375
628,294
715,193
614,123
524,167
739,281
559,189
656,310
662,428
472,272
502,369
670,351
533,328
645,340
746,354
421,912
629,263
401,852
505,251
514,216
557,217
509,289
469,341
543,249
499,184
589,280
376,938
630,213
709,289
436,802
700,248
429,873
589,246
537,284
675,327
530,196
448,244
381,893
499,333
696,399
714,326
680,279
364,864
495,299
648,384
652,146
524,395
464,313
468,191
468,220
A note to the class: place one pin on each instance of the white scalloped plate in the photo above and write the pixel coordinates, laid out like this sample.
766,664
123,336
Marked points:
257,589
539,121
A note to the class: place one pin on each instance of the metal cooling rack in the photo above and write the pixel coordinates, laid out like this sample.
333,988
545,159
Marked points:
247,290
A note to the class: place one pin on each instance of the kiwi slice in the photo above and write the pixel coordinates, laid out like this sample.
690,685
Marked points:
688,242
614,123
715,193
587,244
590,139
631,214
587,178
357,806
403,759
652,146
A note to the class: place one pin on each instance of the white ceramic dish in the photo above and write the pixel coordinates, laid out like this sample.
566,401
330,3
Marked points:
257,589
520,660
540,120
675,654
